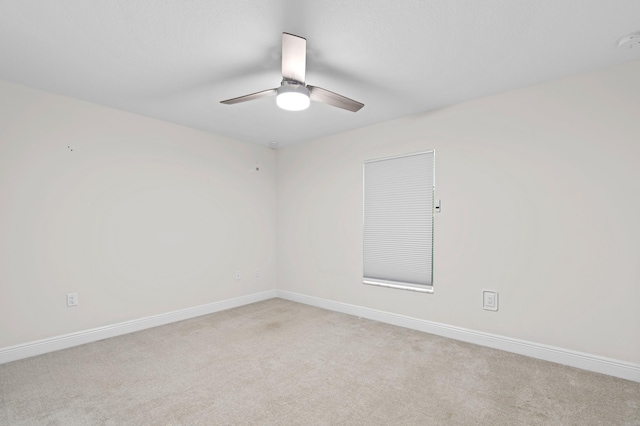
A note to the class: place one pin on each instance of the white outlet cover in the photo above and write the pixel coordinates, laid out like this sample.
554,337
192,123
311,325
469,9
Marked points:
490,300
72,299
238,276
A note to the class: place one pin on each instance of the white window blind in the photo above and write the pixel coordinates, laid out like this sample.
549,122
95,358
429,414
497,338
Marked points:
398,221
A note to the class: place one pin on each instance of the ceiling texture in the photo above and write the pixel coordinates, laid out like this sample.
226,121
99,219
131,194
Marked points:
175,60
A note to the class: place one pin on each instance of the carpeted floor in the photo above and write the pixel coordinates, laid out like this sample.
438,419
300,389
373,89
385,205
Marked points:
282,363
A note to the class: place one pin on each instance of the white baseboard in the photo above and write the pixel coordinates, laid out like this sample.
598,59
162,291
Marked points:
612,367
39,347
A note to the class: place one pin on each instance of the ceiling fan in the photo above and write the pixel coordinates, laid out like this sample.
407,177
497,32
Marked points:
294,94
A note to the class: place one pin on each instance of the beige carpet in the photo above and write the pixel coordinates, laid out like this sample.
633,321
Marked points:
282,363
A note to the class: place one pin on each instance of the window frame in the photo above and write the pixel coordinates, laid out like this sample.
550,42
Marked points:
391,283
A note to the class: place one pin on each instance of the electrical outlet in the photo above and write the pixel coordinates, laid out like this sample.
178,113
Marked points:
238,276
257,272
490,300
72,299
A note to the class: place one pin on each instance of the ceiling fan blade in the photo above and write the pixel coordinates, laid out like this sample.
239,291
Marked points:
294,57
319,94
250,97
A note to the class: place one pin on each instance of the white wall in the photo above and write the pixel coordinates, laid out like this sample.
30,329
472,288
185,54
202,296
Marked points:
540,202
143,217
538,186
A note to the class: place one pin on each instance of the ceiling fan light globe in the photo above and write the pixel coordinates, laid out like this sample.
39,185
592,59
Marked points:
292,101
293,97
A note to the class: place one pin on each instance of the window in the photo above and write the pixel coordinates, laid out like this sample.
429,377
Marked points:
398,221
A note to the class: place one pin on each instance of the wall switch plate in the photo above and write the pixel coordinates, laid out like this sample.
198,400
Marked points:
238,276
257,272
72,299
490,300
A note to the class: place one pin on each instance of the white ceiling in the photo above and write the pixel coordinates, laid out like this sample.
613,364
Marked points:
177,59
